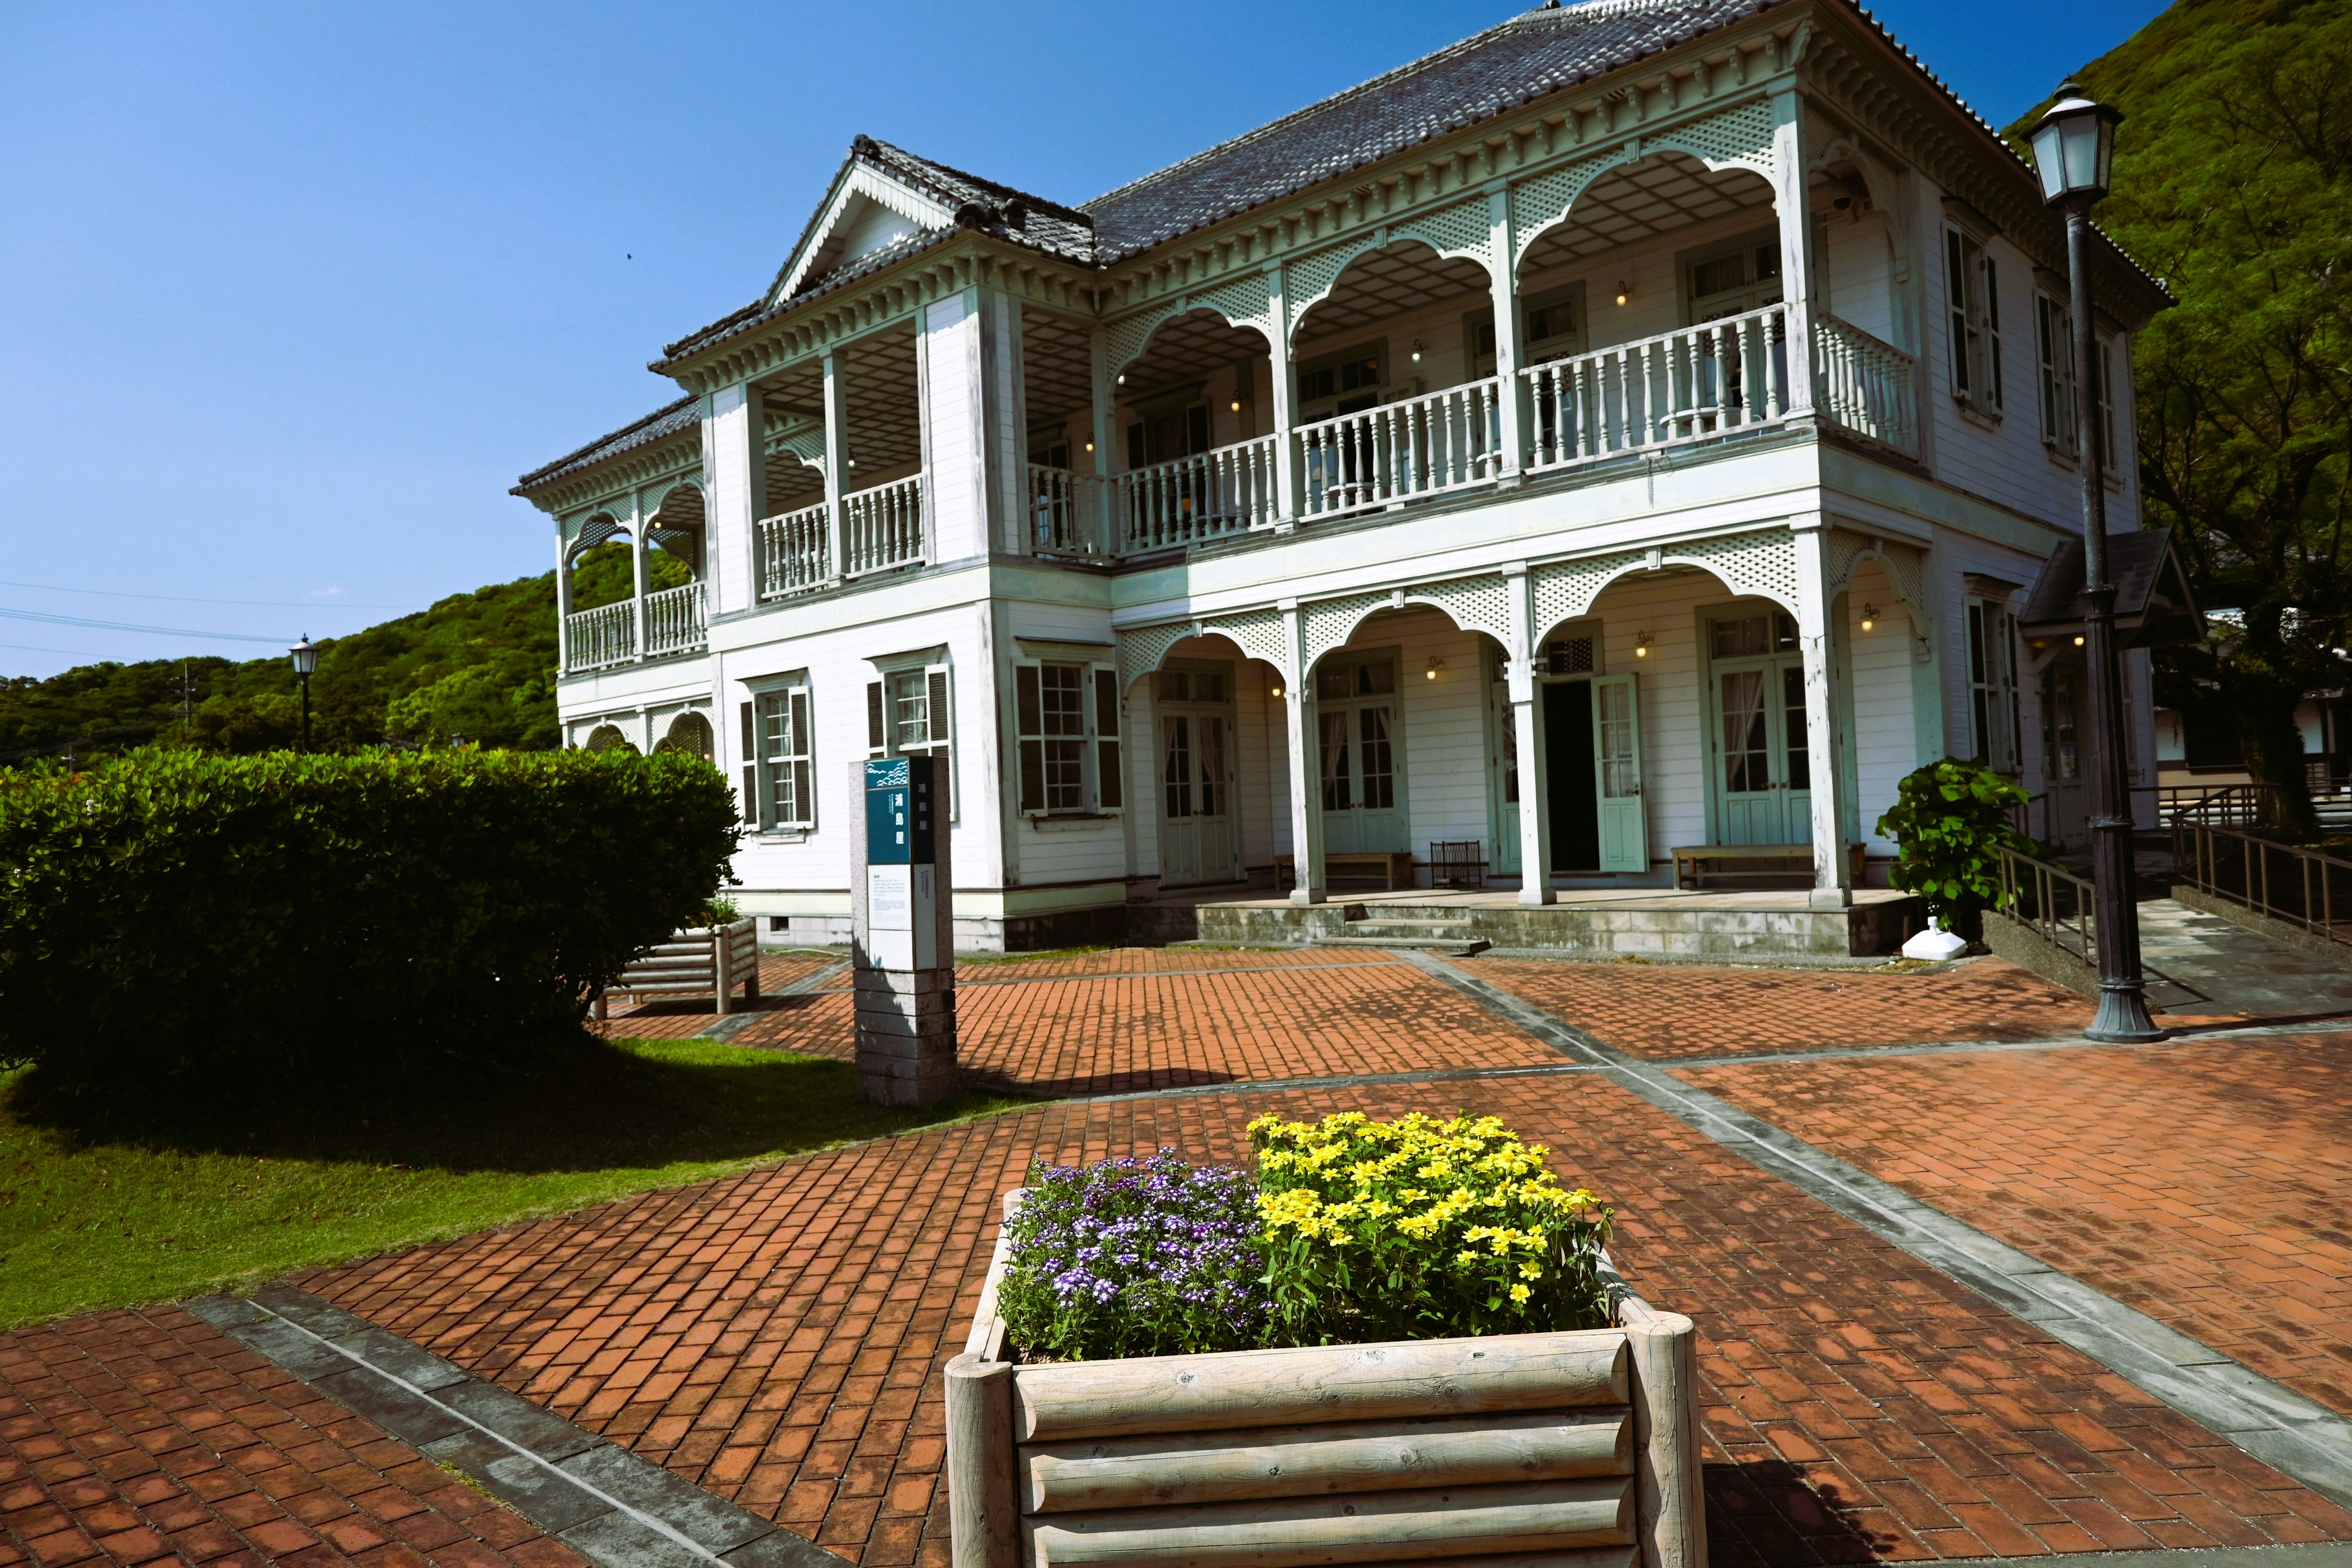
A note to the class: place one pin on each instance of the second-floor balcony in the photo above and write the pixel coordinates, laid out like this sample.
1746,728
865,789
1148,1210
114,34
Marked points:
881,531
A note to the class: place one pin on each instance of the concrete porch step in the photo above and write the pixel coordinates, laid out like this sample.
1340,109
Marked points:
1458,946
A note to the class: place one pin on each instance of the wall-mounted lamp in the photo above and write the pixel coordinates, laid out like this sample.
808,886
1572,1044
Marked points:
1641,644
1274,691
1435,666
2078,642
1090,446
1416,350
1624,292
1869,616
1123,378
1237,405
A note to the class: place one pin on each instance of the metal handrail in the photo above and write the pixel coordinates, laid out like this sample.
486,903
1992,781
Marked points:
2239,868
2053,901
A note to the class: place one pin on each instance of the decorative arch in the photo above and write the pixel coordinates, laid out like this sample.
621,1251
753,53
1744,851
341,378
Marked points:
1763,565
689,732
1843,553
1480,605
1124,341
1739,137
600,528
1312,279
606,737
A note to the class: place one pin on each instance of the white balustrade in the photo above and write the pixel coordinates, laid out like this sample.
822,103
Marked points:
675,622
1697,384
883,527
1417,446
1064,512
792,552
1864,384
604,636
1184,500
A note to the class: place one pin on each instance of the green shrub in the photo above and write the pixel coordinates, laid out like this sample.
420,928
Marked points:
280,920
1950,820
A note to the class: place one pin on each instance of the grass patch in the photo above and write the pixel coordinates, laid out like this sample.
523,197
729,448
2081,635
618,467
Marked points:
967,959
164,1200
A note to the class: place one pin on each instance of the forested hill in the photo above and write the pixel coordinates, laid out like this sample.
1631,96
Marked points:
480,665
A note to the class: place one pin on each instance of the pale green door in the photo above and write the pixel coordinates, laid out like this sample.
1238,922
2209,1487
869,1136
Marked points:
1617,768
1763,791
1502,782
1357,754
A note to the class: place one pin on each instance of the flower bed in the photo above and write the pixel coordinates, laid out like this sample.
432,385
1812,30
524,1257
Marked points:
1398,1339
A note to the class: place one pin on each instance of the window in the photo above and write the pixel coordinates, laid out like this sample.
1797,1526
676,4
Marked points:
1992,684
1353,377
779,775
1752,635
909,714
1739,275
1972,289
2055,340
1065,717
2101,384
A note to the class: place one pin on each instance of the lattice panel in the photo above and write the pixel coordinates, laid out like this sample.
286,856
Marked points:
1566,590
1476,605
1140,651
1311,278
1543,201
808,446
1464,228
1125,339
1742,134
1763,564
1839,551
1910,578
1247,301
651,499
1330,623
599,526
1257,633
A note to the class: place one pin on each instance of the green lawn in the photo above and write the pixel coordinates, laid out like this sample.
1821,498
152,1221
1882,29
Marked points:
165,1202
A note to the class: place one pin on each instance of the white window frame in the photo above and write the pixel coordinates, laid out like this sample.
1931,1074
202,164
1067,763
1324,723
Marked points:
780,754
887,725
1101,788
1972,307
2054,325
1991,670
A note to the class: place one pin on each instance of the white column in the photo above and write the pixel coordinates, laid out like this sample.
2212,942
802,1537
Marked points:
1285,450
1793,206
638,564
1526,726
734,464
562,601
1106,506
1833,873
836,463
1502,275
1004,421
1306,779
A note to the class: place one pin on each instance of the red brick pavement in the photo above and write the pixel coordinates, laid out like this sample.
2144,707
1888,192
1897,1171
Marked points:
2205,1183
777,1337
147,1436
1674,1010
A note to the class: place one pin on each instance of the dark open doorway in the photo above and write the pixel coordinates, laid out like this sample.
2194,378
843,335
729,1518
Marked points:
1568,763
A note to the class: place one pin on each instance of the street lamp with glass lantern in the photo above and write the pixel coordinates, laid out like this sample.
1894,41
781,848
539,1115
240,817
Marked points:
305,659
2073,152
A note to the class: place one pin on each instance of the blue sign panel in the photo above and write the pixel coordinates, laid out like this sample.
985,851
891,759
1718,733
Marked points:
899,812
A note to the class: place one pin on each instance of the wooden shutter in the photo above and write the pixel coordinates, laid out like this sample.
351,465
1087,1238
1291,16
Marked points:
751,755
799,758
876,736
938,716
1991,331
1109,781
1029,729
1956,287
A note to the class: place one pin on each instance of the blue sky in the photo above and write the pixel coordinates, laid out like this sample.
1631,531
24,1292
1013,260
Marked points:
289,295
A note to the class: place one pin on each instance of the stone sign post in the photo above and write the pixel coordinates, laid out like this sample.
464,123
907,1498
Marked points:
903,937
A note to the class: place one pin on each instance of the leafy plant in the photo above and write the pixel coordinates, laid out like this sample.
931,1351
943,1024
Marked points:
1950,820
1419,1228
206,920
1131,1256
718,911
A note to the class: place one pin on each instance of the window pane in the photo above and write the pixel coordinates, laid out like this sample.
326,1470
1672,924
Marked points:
1063,699
1375,678
1747,761
1335,681
909,711
1336,792
1510,756
1212,766
1176,765
1741,639
1066,775
1378,782
1620,769
1792,699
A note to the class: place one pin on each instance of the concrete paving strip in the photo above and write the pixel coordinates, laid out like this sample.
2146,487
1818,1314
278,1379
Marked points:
2324,1024
2294,1435
810,984
613,1507
2316,1554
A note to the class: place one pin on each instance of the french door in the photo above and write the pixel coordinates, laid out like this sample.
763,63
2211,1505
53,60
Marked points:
1358,759
1763,769
1198,837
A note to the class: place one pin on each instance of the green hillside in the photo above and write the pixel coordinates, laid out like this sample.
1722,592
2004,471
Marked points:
480,665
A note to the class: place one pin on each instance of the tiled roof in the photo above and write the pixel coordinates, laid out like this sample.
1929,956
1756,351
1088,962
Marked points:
668,420
1529,57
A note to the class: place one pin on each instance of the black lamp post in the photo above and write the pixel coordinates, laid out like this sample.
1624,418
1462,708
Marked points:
2074,150
305,659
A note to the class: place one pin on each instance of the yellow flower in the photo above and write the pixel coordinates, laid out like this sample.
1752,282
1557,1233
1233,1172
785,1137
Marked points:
1521,1293
1530,1271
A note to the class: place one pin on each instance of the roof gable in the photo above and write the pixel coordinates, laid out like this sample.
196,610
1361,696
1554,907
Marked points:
865,211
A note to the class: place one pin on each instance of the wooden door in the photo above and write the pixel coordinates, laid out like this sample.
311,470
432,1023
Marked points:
1763,768
1198,840
1359,756
2064,755
1502,782
1617,774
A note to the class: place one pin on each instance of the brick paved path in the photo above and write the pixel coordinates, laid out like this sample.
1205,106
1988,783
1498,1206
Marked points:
1674,1010
2206,1185
145,1436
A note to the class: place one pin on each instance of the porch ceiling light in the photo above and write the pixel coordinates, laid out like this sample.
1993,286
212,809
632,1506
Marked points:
2074,147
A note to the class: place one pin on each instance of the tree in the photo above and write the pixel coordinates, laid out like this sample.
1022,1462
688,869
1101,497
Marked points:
2233,183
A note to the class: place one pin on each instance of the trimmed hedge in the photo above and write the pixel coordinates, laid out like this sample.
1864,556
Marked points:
174,914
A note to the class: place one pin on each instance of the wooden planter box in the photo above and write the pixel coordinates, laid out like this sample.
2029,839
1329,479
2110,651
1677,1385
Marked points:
704,961
1556,1450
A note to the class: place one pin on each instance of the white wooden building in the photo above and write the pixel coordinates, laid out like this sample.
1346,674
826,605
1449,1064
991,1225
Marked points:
1628,429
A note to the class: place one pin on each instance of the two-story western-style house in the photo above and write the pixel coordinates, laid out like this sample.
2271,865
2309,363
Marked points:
1629,431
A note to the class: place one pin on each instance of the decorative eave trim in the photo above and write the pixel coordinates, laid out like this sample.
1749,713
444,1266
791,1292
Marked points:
857,179
676,456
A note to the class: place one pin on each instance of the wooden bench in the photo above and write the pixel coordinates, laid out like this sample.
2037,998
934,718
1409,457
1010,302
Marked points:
1385,868
1691,860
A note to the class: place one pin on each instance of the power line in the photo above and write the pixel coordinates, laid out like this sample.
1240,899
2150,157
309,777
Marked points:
131,627
182,599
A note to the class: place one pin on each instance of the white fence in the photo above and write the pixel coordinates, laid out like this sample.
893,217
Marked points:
883,527
605,635
675,622
1865,384
1187,499
792,552
1417,446
1696,384
1064,512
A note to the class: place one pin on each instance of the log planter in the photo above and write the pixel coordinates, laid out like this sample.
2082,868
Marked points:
702,960
1553,1450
